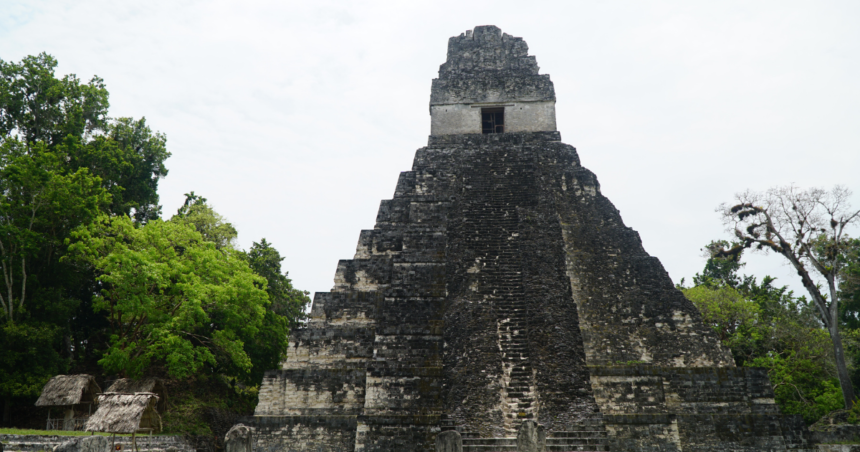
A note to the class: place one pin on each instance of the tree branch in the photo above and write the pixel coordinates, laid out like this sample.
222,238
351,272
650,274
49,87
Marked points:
800,394
23,282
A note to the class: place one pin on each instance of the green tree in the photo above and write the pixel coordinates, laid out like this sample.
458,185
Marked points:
41,108
285,312
63,162
735,319
38,203
849,288
807,228
849,307
287,301
28,359
268,347
36,107
720,268
171,297
766,326
197,212
129,158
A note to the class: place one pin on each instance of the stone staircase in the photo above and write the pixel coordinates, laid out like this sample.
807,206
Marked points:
494,223
579,438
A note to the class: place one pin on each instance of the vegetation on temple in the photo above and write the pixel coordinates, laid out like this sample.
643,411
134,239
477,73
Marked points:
94,280
807,228
769,326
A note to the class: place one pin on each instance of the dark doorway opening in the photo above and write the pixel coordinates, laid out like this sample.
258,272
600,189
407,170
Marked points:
493,120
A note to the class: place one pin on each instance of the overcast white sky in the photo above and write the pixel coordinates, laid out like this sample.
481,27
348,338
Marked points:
295,118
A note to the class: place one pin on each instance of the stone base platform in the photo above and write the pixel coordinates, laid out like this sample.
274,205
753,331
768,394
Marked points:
37,443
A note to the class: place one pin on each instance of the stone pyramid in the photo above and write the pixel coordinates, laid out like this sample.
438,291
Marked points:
500,289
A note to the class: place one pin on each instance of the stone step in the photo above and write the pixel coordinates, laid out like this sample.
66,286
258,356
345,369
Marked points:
520,389
553,448
577,434
510,444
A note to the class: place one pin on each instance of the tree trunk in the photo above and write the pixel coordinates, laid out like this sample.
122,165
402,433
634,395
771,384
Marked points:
67,343
830,318
841,368
7,411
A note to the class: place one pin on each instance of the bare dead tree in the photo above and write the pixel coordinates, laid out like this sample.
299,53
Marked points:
807,227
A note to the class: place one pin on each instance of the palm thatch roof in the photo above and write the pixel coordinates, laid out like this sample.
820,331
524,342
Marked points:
69,390
130,386
123,413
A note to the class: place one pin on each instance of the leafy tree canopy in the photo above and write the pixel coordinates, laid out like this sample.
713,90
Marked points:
287,301
807,228
268,347
63,162
40,201
172,298
286,311
209,223
28,357
849,289
767,326
70,118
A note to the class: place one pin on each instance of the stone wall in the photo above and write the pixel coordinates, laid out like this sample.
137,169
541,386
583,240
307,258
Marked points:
452,119
696,390
629,308
650,408
530,117
839,447
303,433
37,443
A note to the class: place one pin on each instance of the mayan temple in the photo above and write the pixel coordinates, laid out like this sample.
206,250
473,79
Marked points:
501,304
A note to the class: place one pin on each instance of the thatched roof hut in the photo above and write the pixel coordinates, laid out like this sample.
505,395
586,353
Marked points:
125,413
69,390
153,385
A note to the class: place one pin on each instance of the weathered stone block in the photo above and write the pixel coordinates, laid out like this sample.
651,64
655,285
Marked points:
531,437
94,443
239,439
449,441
